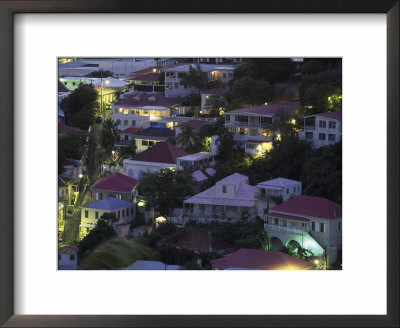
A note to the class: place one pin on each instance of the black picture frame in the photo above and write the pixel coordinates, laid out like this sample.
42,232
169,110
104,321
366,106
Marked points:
10,7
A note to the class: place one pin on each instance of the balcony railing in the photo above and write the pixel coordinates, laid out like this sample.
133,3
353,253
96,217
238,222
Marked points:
249,124
286,229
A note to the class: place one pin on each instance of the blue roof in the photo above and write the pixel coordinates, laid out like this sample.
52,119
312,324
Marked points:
109,204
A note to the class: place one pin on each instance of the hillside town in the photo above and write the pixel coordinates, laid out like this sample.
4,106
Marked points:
199,164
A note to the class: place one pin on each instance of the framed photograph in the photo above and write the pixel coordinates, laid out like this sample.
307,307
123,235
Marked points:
53,52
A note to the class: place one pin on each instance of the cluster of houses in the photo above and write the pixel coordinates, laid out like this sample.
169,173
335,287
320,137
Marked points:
149,113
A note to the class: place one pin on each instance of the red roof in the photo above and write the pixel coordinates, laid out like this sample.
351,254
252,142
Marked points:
131,131
268,110
68,249
261,260
335,115
197,124
116,182
310,206
145,100
285,216
146,77
161,152
63,129
214,91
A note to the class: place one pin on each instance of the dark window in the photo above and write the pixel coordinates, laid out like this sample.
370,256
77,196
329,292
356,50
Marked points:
230,74
126,122
133,122
332,124
100,195
322,124
126,137
59,257
151,143
322,227
72,257
339,226
118,214
309,135
224,75
131,210
313,226
145,143
224,189
97,215
86,214
331,137
66,83
73,83
322,136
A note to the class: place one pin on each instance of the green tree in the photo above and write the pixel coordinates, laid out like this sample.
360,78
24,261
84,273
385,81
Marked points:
166,189
72,145
225,145
108,135
195,78
187,138
316,89
272,70
216,104
102,232
128,152
247,91
80,106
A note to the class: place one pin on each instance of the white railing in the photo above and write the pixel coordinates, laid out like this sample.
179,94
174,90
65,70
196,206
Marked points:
278,228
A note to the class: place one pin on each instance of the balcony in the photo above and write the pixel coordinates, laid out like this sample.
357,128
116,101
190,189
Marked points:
285,229
309,127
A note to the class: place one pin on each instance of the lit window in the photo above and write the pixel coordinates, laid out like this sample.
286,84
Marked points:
126,111
266,133
120,110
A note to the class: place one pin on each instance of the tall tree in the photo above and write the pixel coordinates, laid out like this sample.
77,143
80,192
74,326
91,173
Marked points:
247,91
216,104
80,106
187,138
108,135
195,78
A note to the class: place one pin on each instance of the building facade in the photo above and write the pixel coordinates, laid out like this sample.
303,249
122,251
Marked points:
322,129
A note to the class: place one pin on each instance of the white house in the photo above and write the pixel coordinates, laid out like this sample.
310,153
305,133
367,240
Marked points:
91,213
67,257
161,155
275,191
230,199
197,161
252,126
174,74
137,110
313,223
322,129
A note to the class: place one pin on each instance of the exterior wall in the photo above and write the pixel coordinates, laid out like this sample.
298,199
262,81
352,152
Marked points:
172,87
136,169
143,144
135,117
285,192
97,194
125,215
314,133
205,212
230,190
67,261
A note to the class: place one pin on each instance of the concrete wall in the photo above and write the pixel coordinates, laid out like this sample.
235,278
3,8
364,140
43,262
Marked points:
135,170
67,261
97,194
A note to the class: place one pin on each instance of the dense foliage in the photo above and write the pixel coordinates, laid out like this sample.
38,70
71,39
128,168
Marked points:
80,106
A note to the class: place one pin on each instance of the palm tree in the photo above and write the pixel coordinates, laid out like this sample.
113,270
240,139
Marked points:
187,138
108,134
